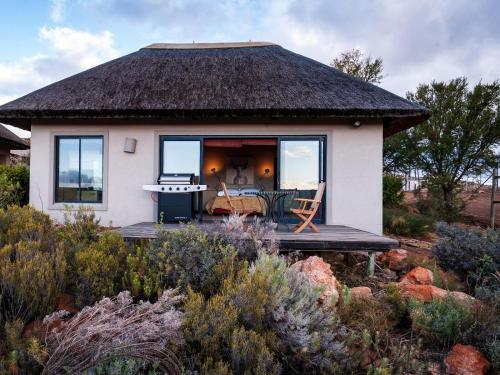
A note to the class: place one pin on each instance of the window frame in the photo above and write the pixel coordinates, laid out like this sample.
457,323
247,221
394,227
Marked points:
57,138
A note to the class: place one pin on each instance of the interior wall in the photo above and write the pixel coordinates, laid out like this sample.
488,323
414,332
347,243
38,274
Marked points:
262,158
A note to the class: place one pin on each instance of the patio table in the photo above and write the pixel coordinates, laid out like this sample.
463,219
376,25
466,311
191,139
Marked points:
275,203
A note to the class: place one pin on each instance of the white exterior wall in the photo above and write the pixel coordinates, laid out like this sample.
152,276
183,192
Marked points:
354,168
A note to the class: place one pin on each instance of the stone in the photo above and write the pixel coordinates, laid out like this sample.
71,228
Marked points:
395,259
465,360
429,293
424,293
66,302
361,292
319,273
419,276
462,297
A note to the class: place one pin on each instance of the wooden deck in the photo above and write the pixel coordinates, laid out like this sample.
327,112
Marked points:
331,237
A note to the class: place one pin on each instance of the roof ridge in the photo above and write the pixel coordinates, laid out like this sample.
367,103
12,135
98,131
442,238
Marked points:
221,45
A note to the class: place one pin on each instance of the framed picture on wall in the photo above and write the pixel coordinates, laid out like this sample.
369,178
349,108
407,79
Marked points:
240,171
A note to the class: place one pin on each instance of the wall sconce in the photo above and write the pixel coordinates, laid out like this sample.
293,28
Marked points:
129,146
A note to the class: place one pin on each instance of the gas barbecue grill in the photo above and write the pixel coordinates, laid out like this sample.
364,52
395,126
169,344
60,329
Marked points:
175,196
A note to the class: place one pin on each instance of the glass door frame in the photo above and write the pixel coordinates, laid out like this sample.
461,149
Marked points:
322,159
164,138
321,167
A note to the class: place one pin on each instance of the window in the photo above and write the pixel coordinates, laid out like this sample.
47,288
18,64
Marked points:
79,169
300,164
181,156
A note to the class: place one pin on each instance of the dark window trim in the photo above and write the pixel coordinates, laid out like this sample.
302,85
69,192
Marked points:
322,138
56,167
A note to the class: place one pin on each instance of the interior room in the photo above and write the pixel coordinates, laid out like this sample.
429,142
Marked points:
245,166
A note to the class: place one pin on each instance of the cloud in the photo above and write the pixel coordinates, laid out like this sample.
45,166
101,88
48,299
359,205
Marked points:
418,40
57,8
69,51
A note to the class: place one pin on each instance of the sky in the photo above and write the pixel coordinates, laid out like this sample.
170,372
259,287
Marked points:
419,40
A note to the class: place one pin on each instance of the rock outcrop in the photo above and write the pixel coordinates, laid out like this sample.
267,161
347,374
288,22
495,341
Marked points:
418,276
465,360
319,273
395,259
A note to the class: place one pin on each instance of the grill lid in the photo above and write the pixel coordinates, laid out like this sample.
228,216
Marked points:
176,179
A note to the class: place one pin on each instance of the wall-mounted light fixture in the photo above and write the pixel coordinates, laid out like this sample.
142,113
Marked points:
356,124
129,146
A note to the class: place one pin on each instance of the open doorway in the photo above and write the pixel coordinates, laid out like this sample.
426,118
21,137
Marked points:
246,166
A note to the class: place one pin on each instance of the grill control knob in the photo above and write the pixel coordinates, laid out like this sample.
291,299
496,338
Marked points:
185,189
177,189
162,189
170,188
198,187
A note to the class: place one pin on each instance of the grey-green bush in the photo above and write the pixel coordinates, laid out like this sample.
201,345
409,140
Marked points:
471,255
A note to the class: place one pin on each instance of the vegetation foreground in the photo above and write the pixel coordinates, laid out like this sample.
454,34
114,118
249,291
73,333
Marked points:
77,300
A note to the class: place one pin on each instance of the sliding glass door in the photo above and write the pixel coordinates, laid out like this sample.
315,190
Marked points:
302,168
180,155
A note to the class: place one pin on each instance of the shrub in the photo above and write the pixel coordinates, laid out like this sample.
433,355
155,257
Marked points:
32,267
248,239
402,223
99,268
392,187
125,366
139,277
26,224
441,322
117,328
16,180
470,254
273,307
190,257
369,314
80,229
21,352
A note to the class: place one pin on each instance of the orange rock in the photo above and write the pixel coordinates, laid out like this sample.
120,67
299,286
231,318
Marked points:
418,275
424,293
465,360
361,292
395,259
428,293
319,273
66,302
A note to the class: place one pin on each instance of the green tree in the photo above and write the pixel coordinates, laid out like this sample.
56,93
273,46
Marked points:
457,142
353,63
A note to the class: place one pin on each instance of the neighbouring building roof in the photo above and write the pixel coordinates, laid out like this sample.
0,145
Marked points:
213,81
11,140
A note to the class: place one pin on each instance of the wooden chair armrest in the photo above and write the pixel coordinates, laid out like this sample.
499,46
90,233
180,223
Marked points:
306,200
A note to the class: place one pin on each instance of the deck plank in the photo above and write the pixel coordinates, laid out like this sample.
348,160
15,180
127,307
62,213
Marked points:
330,237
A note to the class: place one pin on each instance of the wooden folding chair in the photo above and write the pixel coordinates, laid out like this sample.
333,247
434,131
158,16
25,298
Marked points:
241,210
307,210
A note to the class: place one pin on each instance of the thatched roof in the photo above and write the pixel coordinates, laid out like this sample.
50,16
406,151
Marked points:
209,82
11,140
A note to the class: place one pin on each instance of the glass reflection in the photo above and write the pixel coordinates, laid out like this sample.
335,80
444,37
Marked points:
300,165
80,174
181,157
68,166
